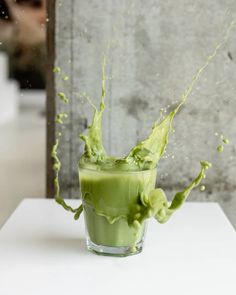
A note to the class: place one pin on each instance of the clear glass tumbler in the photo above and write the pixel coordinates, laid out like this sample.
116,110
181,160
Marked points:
110,201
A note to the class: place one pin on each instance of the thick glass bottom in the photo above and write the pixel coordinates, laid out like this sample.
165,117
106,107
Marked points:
121,251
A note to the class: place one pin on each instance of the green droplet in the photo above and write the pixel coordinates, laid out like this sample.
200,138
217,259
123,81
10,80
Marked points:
65,78
225,140
56,70
202,188
220,148
63,97
60,117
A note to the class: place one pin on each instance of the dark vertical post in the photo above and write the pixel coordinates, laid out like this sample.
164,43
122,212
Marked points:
50,95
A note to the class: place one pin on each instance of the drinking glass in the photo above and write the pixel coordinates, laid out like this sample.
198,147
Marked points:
110,201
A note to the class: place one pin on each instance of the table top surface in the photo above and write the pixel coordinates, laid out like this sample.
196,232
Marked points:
42,251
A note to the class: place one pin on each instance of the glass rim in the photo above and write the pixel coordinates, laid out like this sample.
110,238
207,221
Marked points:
111,171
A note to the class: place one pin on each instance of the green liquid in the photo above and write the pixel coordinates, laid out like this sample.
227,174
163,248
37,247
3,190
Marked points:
112,205
119,234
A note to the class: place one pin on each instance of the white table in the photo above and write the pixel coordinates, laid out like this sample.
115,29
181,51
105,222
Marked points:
42,251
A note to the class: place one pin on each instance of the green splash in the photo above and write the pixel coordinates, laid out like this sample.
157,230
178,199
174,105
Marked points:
147,153
112,218
94,150
57,164
126,201
144,156
63,97
56,169
157,202
60,117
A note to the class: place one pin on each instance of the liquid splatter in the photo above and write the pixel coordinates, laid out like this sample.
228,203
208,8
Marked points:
60,117
144,156
225,141
65,78
63,97
56,169
202,187
94,150
57,164
220,148
56,70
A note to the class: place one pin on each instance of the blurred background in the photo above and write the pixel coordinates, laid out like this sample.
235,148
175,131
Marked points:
22,102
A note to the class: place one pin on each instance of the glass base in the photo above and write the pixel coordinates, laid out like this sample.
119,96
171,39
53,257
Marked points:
115,251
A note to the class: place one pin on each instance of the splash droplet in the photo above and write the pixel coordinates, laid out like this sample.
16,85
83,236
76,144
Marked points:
63,97
220,148
225,140
60,117
202,188
65,78
56,70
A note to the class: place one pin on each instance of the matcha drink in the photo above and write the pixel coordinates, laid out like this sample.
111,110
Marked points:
118,194
112,207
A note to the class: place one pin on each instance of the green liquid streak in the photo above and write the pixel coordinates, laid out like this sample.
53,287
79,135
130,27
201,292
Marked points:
159,201
58,198
94,150
54,154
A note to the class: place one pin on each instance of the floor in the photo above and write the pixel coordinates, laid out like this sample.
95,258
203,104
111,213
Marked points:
22,158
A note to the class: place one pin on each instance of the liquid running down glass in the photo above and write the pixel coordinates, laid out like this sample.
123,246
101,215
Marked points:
112,207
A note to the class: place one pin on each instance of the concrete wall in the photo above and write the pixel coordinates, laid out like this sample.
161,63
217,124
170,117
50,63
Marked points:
156,48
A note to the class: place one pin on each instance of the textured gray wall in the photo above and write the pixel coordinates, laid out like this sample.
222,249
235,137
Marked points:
156,48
